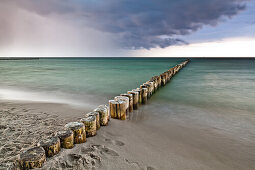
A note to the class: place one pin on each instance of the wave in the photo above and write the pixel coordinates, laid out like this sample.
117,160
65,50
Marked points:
35,96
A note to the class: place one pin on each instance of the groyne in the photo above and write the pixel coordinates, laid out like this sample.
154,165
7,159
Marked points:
78,132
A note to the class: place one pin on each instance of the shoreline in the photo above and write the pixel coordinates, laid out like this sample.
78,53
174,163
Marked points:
144,141
159,135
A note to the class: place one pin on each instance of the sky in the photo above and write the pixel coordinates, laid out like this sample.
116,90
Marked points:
130,28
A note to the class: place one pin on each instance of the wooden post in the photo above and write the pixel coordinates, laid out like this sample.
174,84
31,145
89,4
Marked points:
172,72
125,99
123,106
90,125
78,130
130,96
152,86
149,89
144,92
135,98
119,107
66,139
103,112
176,69
122,111
51,146
113,108
97,117
140,95
106,108
159,81
155,81
163,80
165,75
168,76
32,158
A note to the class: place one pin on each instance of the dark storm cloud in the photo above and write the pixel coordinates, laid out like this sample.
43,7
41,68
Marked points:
139,24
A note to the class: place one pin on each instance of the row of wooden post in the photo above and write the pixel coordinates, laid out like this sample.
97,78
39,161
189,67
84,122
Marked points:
121,105
77,132
73,133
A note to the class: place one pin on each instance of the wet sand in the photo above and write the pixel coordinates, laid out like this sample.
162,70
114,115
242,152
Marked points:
183,139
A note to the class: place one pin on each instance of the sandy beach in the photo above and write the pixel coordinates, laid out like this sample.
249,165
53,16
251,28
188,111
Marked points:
93,85
144,141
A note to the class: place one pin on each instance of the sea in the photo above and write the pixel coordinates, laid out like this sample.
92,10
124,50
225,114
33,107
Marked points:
217,92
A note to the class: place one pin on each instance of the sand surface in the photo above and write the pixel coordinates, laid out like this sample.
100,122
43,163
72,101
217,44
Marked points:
145,141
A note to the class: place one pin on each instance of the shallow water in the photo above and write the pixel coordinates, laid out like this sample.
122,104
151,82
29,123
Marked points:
205,82
207,108
224,87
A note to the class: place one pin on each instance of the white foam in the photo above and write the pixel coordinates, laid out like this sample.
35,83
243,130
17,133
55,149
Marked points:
31,96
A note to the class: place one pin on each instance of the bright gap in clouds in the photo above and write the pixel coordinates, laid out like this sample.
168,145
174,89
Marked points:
238,47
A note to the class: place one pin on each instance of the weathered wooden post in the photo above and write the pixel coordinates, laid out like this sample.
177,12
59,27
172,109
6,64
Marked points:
148,88
154,84
163,79
103,112
171,72
126,101
135,98
140,95
159,81
181,65
32,158
97,118
66,139
144,92
151,86
168,76
51,146
113,105
78,130
130,96
90,125
122,111
119,107
123,106
176,69
155,81
174,72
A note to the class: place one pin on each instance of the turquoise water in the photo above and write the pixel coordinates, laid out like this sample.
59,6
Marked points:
205,83
208,107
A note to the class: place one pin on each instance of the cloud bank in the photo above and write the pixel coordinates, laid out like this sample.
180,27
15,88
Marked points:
129,24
